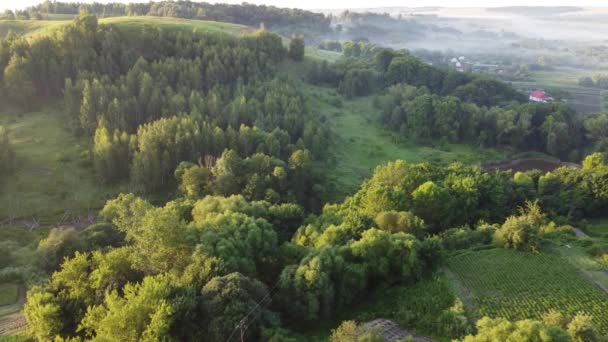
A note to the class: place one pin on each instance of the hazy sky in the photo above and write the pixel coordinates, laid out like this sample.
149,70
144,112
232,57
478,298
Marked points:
322,4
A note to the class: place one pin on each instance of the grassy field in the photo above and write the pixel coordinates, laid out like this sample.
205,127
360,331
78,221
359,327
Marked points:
53,179
8,294
361,145
36,28
597,227
29,27
137,23
316,53
582,99
517,285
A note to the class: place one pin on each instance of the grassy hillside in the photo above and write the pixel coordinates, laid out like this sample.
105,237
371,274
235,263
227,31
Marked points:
361,145
35,28
29,28
54,183
53,180
137,23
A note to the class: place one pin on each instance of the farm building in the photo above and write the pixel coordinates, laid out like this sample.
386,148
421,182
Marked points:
540,96
460,65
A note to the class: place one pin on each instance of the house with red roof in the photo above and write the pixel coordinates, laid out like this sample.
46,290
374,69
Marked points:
540,96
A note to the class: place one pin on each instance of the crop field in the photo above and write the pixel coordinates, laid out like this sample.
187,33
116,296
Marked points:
517,285
582,99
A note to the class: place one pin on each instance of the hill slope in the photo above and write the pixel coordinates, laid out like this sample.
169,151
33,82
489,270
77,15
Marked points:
35,28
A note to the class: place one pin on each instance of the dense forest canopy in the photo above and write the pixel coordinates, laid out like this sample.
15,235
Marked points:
223,227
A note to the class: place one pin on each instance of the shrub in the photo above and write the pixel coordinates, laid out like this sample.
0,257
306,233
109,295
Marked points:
60,243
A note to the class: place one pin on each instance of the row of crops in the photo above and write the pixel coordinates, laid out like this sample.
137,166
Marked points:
516,285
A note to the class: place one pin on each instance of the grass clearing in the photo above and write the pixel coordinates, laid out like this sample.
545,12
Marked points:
128,24
53,176
516,285
316,53
8,294
37,28
597,227
29,28
361,145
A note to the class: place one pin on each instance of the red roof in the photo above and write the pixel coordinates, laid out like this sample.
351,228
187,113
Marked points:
539,94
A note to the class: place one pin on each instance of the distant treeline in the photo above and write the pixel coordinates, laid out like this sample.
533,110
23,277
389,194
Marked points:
536,10
597,81
284,20
369,67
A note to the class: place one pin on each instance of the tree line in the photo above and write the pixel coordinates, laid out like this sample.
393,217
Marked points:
287,21
551,128
597,80
368,68
193,269
195,266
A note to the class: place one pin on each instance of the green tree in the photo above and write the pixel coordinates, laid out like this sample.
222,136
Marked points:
245,244
581,329
522,232
232,297
7,154
59,244
433,204
195,182
43,312
350,331
406,222
500,329
146,307
18,82
296,48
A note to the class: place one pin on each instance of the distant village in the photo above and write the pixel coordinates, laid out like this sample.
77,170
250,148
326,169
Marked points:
461,64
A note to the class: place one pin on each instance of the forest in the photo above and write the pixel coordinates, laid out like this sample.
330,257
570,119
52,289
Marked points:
219,218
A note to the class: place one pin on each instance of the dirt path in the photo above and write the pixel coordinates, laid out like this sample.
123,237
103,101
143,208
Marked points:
14,322
587,274
462,292
579,233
